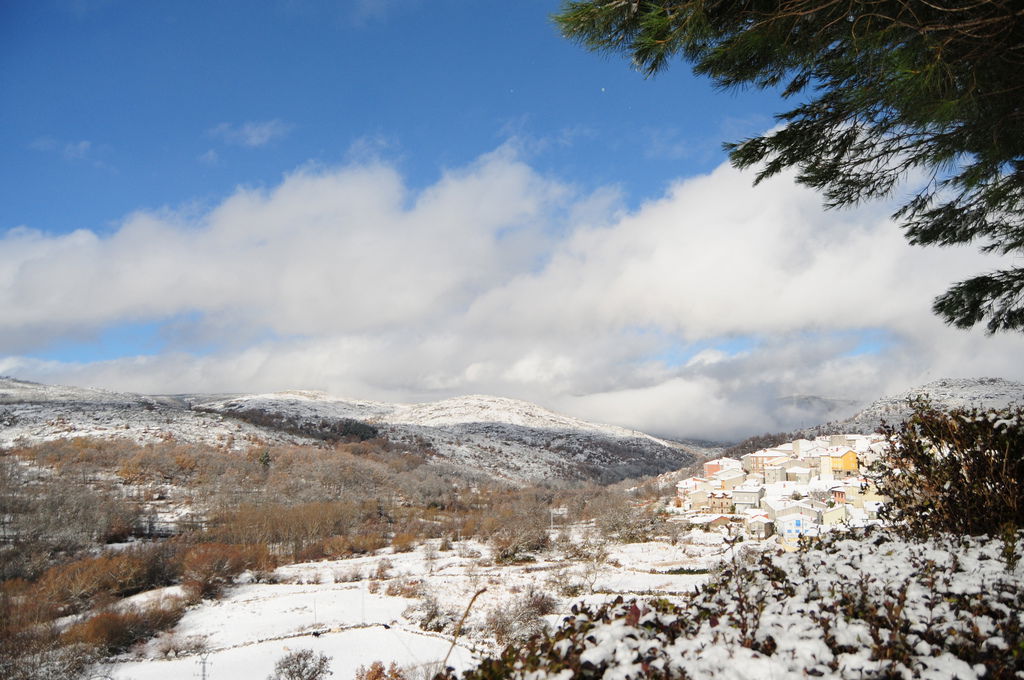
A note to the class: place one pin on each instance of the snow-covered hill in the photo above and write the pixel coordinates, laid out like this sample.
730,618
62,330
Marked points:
945,394
31,412
503,438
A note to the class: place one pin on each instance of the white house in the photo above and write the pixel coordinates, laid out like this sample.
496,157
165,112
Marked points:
797,521
747,497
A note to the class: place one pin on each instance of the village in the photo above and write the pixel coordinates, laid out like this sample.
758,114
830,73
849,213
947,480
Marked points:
800,488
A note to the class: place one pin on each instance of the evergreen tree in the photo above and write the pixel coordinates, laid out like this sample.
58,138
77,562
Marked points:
884,87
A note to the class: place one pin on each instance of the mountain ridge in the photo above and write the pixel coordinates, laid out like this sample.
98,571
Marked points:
509,439
943,393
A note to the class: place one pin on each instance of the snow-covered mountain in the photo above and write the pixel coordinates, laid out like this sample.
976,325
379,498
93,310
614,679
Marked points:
945,394
32,412
503,438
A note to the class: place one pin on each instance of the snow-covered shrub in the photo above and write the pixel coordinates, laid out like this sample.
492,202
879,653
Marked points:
403,587
845,607
618,518
430,615
46,662
383,569
170,644
961,472
302,664
520,620
350,575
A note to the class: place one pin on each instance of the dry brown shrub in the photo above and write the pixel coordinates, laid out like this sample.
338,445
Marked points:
362,544
311,553
132,471
186,463
116,631
337,546
401,587
21,608
207,566
403,541
74,585
376,672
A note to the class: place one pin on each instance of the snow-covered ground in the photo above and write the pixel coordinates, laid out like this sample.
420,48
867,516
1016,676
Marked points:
946,608
319,606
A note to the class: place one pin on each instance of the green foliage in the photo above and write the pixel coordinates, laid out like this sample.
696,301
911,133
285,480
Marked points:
887,88
329,430
759,441
959,472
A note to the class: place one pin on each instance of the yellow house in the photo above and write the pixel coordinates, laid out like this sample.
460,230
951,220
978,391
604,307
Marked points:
845,464
834,515
862,492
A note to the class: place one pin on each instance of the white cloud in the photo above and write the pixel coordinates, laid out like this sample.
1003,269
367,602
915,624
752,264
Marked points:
77,150
81,150
251,134
365,12
497,279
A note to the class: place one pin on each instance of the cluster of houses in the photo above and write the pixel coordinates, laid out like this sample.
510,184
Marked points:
795,489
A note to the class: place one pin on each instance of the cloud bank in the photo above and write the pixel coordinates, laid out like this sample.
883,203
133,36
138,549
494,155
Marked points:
695,314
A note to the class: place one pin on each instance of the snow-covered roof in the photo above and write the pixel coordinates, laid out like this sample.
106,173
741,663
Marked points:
707,519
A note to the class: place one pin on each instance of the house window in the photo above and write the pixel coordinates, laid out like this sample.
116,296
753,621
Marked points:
798,522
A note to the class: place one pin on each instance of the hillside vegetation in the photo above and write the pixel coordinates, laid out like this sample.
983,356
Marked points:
89,522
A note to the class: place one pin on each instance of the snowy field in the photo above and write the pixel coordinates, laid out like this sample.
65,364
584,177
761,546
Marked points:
322,606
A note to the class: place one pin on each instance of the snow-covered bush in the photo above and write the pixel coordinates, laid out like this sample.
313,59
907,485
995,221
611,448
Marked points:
302,664
619,518
518,621
404,587
961,472
431,615
46,662
169,644
845,607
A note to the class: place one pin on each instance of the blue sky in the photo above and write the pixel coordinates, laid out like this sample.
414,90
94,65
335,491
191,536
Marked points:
408,200
117,106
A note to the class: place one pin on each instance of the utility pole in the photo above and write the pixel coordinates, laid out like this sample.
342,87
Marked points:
203,663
